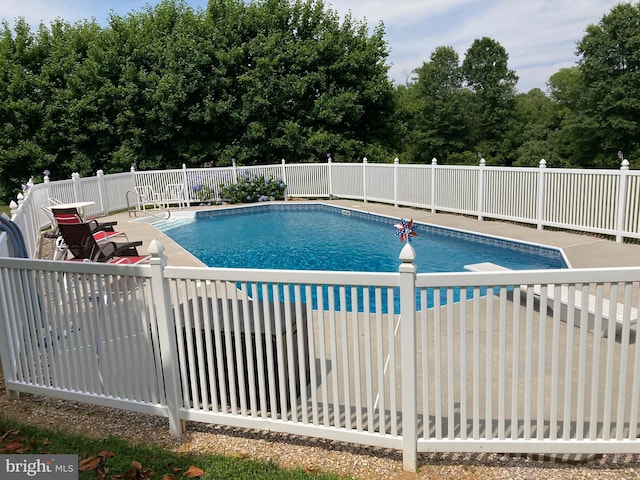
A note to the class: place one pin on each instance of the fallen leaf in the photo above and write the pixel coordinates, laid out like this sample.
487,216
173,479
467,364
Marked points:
106,454
10,432
193,472
168,476
136,465
14,447
89,464
132,474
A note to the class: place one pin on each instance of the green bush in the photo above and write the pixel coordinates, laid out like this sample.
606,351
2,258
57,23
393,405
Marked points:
252,188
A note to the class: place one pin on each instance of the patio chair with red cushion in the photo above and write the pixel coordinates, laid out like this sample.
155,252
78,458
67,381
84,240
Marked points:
82,244
71,215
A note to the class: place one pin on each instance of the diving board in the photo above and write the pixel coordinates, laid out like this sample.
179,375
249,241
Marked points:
605,308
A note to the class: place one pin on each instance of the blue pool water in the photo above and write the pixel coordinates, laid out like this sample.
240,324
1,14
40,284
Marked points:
322,237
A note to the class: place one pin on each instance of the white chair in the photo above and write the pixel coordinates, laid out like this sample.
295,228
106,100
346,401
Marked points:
145,196
174,194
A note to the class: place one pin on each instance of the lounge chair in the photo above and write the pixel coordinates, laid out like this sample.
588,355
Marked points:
71,215
81,243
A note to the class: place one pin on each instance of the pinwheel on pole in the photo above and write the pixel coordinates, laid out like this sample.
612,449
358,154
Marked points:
405,230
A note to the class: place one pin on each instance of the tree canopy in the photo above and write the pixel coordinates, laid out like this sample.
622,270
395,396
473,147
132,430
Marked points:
272,79
168,85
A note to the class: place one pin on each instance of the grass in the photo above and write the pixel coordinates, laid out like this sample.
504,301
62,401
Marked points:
112,458
5,209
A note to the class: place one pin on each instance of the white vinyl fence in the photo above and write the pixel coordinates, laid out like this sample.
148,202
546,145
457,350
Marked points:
598,201
427,362
528,362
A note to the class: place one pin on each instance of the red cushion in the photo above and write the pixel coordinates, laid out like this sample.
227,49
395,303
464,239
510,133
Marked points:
67,218
102,235
132,260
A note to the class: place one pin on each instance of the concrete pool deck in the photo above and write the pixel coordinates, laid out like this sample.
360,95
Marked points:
582,250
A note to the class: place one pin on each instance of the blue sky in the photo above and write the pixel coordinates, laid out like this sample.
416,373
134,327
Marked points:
539,35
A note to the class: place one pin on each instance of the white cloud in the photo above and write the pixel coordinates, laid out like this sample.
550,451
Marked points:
540,36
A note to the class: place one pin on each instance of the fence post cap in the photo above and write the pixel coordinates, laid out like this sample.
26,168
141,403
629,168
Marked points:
407,254
624,165
543,163
434,161
156,248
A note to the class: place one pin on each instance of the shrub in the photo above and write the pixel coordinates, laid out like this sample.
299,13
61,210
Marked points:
253,189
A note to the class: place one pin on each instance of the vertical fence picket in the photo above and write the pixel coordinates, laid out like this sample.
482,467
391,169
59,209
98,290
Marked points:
569,365
347,363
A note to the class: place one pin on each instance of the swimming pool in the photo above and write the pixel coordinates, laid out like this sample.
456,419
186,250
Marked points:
325,237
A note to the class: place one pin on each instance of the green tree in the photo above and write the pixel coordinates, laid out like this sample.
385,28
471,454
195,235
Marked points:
568,139
535,117
610,69
311,85
486,72
168,85
440,125
21,59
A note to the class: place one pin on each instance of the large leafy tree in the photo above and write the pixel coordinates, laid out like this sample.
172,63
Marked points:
610,71
441,127
535,117
486,72
168,85
21,101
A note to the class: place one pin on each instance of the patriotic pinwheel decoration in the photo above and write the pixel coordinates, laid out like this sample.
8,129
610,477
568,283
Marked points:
405,230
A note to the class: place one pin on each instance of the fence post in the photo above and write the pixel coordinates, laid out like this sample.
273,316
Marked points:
622,199
541,193
434,164
47,184
13,208
407,271
77,197
102,193
235,170
364,179
284,179
167,335
483,164
396,162
185,185
330,176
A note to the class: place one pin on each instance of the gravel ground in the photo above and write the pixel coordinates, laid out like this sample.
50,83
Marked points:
308,453
293,451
